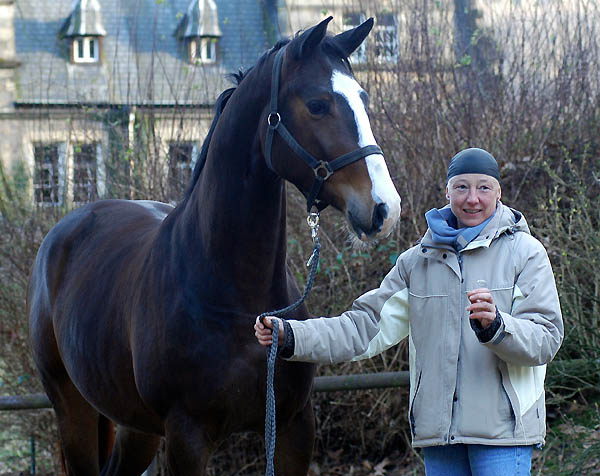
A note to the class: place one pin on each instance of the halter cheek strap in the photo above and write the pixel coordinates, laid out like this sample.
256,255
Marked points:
321,168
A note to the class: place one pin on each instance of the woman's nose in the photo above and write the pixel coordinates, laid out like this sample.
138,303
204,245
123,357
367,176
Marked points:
473,197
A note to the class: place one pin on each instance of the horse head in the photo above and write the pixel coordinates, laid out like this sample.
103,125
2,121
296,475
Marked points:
318,113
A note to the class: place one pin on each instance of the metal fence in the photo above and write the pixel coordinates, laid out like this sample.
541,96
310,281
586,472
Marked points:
27,452
321,384
24,455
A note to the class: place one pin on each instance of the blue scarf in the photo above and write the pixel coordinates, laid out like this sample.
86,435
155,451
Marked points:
444,228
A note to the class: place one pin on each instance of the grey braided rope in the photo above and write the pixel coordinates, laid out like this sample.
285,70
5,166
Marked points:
270,425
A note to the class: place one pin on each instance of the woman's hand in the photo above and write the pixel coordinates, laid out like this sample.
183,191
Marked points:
482,306
264,332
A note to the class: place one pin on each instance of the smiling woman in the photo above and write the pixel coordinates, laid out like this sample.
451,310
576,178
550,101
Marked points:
473,198
473,186
477,300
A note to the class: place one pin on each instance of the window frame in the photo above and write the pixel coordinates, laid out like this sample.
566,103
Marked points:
94,154
382,50
179,174
202,44
85,43
389,48
56,175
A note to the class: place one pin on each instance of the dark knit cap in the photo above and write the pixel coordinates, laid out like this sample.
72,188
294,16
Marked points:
473,161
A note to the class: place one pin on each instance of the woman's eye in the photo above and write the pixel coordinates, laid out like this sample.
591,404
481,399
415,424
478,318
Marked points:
318,108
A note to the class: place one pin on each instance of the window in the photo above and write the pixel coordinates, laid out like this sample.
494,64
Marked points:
383,42
386,38
86,49
47,183
181,162
85,173
203,50
352,20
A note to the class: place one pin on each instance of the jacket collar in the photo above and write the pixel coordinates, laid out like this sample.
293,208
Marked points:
505,220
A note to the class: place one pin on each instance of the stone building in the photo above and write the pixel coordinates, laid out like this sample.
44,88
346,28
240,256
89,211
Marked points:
114,97
94,91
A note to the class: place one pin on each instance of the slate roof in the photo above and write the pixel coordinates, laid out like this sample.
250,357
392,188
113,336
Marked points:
143,62
85,19
201,19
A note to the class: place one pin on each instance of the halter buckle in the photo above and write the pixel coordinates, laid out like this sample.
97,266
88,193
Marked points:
313,222
325,167
273,120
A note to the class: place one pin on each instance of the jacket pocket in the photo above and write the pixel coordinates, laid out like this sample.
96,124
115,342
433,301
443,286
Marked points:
503,297
411,417
429,323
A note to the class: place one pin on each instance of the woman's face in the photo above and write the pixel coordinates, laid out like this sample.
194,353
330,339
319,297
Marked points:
473,197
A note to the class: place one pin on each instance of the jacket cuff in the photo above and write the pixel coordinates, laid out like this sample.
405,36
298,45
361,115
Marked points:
289,344
486,335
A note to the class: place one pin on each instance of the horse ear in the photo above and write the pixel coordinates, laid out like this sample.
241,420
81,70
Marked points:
304,44
349,40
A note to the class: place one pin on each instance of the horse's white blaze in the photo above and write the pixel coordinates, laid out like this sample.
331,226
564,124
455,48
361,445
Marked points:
382,188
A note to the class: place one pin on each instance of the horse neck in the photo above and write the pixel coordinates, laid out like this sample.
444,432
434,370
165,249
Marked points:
234,220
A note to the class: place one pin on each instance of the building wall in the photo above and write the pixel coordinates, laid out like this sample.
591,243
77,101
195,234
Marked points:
7,56
119,132
27,124
23,130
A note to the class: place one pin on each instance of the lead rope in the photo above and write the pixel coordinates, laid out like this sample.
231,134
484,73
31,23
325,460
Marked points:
270,425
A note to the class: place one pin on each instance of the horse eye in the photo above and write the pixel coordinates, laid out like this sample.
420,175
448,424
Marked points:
318,108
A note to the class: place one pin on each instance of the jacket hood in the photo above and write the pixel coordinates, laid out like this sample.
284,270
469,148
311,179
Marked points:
506,220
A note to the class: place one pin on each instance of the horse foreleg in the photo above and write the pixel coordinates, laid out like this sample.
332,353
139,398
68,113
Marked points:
132,452
295,443
188,447
78,425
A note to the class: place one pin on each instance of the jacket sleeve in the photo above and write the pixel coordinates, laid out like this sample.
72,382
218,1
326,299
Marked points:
377,320
533,331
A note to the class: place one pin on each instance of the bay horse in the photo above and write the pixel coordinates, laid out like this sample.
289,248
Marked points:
141,313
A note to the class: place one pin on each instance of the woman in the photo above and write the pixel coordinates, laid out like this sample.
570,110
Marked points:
477,300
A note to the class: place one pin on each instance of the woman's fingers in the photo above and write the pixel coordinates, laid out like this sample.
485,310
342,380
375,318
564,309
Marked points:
263,333
481,294
264,330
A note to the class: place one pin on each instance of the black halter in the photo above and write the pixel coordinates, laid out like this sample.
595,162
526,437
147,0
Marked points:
322,169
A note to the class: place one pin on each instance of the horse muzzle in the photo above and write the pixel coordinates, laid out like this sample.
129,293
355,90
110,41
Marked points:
372,223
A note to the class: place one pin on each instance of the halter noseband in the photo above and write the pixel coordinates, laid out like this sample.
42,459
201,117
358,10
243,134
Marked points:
322,169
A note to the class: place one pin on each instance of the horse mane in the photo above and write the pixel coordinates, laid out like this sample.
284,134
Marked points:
329,47
220,104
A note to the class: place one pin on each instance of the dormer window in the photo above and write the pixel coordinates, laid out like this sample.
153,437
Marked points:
86,49
84,29
199,29
203,50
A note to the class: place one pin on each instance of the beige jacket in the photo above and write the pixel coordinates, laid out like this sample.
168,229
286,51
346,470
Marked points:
461,390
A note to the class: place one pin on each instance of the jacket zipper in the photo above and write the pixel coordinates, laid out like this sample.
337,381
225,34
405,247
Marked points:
459,256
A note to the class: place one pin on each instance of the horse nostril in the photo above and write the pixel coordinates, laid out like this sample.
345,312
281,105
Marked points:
380,213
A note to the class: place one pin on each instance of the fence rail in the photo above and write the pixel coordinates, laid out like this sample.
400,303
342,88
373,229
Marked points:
322,384
361,381
32,401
